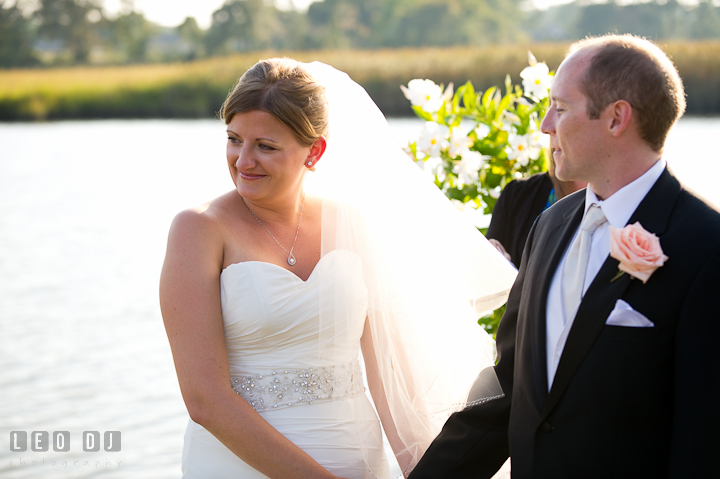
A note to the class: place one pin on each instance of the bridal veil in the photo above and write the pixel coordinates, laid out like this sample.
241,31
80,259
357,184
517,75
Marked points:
429,274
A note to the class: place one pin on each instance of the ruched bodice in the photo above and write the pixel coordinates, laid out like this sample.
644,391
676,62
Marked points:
272,317
283,347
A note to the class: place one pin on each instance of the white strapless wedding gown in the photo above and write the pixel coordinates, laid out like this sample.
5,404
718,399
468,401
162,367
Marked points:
272,331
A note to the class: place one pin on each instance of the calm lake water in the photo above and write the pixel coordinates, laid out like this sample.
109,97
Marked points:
84,213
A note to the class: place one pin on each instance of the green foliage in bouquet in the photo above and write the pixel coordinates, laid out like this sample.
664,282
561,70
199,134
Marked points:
474,143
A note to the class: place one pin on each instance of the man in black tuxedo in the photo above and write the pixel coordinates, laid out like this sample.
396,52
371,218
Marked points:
605,377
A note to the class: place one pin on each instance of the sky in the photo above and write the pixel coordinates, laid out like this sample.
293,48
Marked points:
171,13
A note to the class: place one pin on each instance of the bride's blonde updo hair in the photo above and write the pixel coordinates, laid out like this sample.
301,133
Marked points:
283,88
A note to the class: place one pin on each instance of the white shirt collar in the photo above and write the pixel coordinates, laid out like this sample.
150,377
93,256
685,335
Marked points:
619,207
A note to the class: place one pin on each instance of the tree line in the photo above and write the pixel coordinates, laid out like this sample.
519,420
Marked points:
656,20
66,32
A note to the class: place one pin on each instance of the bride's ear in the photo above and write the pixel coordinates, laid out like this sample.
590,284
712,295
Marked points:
316,152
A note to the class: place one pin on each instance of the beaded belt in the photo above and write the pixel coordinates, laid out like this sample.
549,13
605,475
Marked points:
293,387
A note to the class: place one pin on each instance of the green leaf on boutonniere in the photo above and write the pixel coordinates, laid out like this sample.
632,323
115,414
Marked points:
617,276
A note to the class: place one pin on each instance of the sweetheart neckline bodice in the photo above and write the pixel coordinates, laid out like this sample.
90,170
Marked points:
272,318
276,266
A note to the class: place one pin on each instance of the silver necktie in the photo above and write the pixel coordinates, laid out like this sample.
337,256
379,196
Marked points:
577,261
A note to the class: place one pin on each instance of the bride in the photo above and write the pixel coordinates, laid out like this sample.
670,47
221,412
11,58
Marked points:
270,291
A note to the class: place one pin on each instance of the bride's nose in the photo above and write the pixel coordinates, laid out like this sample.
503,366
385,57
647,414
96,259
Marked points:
245,158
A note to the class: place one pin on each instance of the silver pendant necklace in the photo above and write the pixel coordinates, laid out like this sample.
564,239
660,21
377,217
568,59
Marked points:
291,257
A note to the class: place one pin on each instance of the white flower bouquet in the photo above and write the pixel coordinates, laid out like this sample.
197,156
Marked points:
474,143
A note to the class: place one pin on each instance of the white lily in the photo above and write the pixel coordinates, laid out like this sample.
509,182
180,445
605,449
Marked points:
539,139
433,166
536,80
508,120
459,141
468,168
521,150
433,138
424,93
482,130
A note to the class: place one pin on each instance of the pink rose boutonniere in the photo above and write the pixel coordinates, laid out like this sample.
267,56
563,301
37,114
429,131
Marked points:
638,251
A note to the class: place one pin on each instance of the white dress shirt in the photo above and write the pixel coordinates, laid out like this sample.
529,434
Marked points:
618,209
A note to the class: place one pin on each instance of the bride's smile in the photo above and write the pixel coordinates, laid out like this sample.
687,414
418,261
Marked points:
265,159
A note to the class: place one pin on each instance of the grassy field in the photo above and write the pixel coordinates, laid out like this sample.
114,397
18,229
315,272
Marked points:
197,89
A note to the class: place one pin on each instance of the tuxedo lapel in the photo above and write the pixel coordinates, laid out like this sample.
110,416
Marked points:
653,213
558,236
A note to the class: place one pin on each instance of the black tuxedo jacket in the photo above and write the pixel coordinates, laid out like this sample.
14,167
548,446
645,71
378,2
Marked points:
626,402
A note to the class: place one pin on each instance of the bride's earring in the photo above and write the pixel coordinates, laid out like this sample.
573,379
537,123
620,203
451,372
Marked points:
309,163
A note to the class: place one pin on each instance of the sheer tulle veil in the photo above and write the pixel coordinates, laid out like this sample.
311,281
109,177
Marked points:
428,272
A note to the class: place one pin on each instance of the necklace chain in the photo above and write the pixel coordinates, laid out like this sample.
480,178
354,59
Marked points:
291,257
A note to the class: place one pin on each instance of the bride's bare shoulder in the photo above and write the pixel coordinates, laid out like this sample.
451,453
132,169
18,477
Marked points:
203,222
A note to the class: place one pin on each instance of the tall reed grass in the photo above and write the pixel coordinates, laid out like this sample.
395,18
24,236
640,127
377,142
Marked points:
197,89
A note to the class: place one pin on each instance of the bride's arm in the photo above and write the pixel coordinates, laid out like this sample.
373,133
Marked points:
377,390
190,303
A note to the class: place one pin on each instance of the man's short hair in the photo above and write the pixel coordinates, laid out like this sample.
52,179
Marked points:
630,68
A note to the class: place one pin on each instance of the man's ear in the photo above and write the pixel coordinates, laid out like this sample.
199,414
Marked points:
618,116
317,149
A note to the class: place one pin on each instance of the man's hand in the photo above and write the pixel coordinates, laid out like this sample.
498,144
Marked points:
500,248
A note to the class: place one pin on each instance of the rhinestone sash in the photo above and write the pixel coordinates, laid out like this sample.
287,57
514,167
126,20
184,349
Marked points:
293,387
